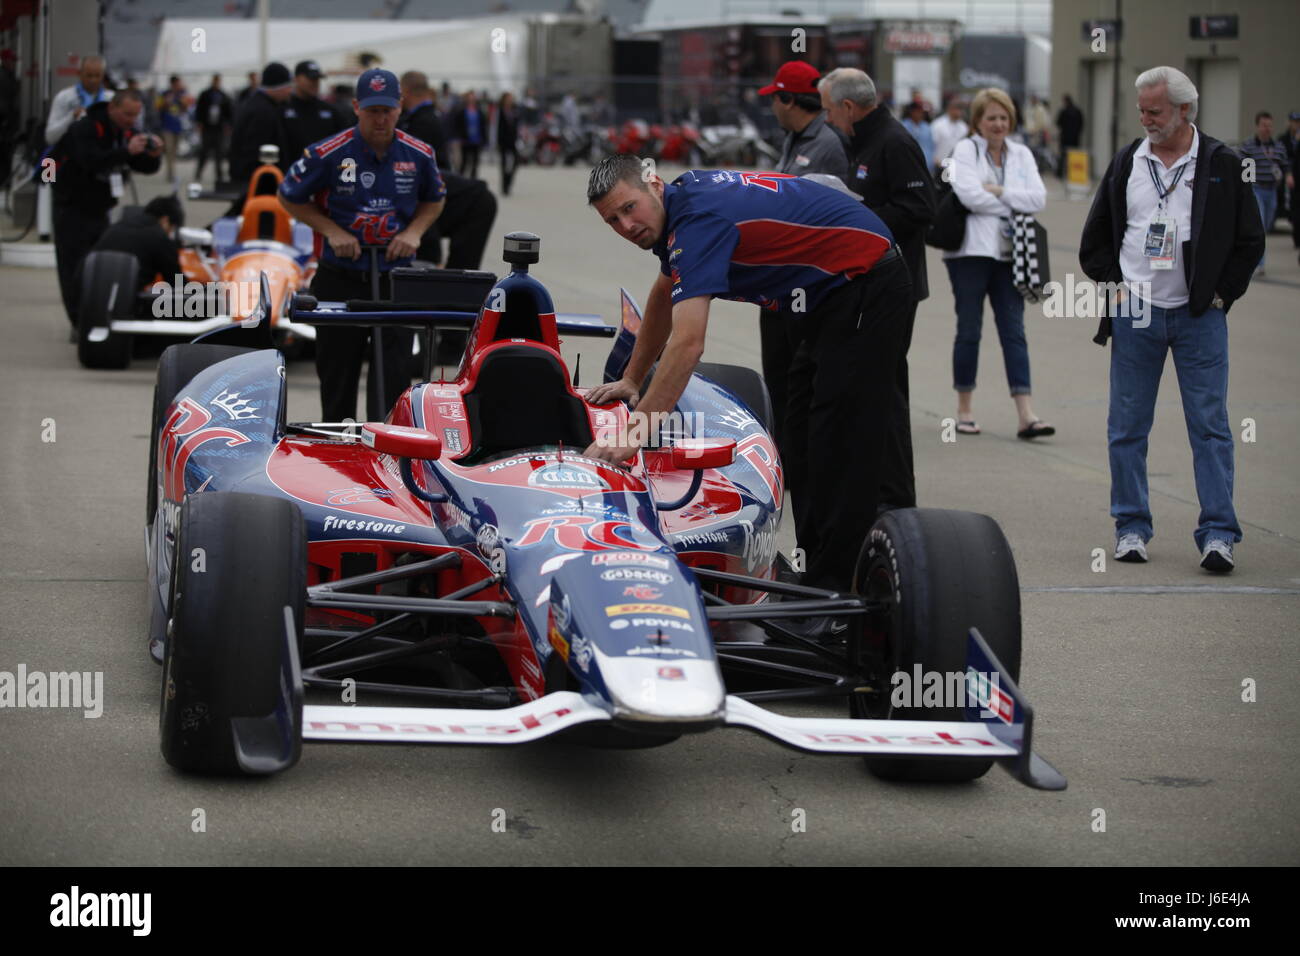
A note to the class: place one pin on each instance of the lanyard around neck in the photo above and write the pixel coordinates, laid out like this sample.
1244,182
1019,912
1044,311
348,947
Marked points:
1161,191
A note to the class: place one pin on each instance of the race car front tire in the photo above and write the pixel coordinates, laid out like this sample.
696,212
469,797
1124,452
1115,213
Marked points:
938,573
232,690
109,280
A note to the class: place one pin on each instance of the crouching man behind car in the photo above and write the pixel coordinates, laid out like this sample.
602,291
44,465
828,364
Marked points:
147,234
778,241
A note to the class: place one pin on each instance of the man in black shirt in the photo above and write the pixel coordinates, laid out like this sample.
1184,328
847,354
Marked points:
422,118
247,91
259,122
1070,122
471,208
214,113
889,171
91,162
147,234
307,118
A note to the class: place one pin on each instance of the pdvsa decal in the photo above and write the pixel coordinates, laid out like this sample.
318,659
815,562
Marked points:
672,624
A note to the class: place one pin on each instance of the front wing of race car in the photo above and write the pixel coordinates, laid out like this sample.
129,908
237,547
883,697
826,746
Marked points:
999,725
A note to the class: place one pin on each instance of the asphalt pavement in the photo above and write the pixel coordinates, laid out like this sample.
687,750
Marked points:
1137,672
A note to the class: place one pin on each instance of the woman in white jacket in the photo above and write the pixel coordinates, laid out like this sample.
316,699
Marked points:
992,177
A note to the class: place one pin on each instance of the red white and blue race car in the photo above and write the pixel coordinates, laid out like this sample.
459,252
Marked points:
461,574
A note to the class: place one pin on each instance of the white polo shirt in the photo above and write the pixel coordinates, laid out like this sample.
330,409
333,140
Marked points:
1168,286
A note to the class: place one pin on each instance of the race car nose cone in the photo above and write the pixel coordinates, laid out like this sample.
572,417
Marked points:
655,688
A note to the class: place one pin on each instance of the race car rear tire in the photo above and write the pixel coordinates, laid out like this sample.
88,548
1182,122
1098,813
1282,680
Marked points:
746,384
232,691
109,280
939,574
179,364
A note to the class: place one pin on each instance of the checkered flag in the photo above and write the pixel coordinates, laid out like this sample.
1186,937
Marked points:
1029,256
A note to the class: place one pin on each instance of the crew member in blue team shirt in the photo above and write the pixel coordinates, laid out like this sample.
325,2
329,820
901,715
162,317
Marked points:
371,184
781,242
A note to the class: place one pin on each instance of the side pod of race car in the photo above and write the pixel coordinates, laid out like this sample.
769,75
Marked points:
219,285
472,578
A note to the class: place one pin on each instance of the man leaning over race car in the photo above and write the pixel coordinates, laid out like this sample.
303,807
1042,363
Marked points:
769,238
148,235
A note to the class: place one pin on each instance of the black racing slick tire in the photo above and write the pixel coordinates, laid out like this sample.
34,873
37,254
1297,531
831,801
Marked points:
232,689
178,365
746,384
937,574
108,290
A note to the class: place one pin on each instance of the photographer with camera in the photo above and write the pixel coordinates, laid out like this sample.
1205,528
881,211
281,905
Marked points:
92,162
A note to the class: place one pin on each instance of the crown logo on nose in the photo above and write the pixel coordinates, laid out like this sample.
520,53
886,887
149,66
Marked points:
234,406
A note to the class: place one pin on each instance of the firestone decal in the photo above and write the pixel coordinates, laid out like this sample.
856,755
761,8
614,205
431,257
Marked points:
338,523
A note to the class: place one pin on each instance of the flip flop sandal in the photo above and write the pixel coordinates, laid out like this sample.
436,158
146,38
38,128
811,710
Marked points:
968,428
1036,429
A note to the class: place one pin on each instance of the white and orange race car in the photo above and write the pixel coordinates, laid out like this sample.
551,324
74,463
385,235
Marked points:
218,286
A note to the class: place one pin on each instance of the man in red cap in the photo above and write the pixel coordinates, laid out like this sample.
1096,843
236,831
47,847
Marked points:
811,146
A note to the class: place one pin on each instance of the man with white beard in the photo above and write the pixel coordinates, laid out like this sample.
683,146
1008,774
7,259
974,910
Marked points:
1177,223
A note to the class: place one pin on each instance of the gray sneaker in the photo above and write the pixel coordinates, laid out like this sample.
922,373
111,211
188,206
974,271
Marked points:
1131,547
1217,556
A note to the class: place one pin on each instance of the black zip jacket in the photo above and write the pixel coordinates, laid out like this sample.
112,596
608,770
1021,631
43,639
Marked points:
896,186
426,122
258,122
308,121
1227,235
139,234
89,153
208,99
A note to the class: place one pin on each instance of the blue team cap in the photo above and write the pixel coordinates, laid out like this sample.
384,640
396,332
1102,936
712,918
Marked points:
378,88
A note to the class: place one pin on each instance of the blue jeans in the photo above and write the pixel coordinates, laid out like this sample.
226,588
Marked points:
973,278
1200,348
1266,199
